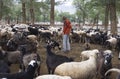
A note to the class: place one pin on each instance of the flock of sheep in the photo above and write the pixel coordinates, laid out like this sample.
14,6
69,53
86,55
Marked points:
20,43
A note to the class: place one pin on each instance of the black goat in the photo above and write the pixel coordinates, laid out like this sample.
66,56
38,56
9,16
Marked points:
28,74
33,30
54,60
4,68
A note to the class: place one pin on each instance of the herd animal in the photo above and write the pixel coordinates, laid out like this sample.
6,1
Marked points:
54,60
21,47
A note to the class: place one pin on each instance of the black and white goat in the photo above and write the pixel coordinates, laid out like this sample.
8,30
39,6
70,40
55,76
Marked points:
54,60
104,63
28,74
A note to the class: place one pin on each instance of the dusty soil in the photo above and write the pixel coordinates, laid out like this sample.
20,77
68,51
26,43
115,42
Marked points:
75,52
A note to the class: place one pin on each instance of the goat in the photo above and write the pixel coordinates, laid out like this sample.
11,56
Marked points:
104,63
33,56
54,60
28,74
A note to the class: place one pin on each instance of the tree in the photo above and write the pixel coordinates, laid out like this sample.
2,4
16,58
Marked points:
52,13
113,16
23,11
5,9
32,12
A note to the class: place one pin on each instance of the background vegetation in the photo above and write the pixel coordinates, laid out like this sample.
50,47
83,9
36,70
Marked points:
87,11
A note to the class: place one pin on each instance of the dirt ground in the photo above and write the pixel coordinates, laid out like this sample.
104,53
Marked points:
75,52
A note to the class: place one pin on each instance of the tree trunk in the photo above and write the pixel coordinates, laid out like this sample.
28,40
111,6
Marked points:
52,13
113,17
107,9
1,7
23,12
32,12
8,19
97,20
83,18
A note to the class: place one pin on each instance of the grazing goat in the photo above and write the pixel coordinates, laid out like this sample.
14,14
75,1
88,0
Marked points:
28,74
52,77
54,60
79,70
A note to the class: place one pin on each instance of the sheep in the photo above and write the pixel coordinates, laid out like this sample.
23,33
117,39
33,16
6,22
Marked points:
79,70
52,77
111,43
28,57
85,54
28,74
114,70
54,60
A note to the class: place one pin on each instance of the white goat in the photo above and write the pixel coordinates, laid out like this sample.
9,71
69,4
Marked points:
79,70
52,77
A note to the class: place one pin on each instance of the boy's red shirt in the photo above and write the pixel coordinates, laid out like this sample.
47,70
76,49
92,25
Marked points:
67,27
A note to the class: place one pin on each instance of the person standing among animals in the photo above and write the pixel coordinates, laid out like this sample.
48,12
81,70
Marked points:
66,31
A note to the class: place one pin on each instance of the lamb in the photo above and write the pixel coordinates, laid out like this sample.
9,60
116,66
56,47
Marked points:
52,77
28,74
114,70
79,70
54,60
85,54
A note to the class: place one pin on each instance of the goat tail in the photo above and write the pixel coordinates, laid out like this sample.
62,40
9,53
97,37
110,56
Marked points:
113,69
